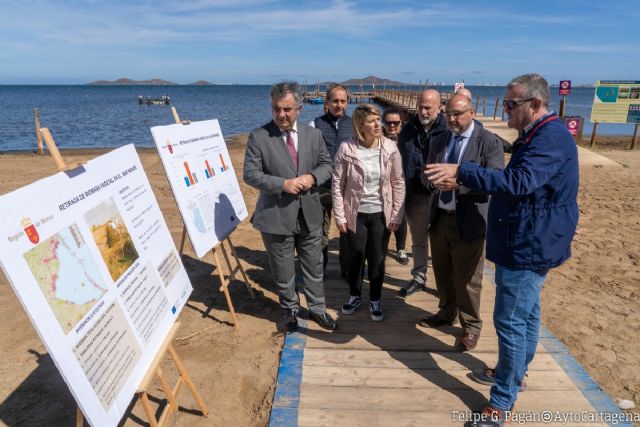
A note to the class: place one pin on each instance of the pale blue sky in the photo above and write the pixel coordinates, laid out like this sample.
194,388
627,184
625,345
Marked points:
254,41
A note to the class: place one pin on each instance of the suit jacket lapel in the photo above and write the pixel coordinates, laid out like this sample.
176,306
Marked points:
444,145
304,150
471,152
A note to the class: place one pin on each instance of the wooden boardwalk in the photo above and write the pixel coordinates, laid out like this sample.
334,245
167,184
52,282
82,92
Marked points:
395,373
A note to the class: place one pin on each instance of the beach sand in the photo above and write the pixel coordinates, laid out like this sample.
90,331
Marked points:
590,303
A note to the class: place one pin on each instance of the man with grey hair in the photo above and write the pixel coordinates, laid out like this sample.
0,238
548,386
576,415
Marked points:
532,218
286,161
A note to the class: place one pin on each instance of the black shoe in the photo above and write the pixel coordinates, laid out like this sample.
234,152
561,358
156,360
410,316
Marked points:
490,417
434,321
324,320
412,287
291,320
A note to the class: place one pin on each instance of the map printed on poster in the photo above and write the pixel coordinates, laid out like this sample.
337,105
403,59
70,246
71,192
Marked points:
93,263
202,179
616,101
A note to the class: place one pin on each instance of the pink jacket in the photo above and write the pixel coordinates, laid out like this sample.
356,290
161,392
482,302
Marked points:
347,186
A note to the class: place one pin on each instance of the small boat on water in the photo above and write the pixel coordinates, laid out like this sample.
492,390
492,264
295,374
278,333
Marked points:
163,100
316,100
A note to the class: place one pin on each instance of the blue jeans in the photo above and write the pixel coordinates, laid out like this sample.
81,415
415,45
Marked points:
516,316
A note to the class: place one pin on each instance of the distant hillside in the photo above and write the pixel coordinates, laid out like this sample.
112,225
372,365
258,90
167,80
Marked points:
125,81
373,80
201,83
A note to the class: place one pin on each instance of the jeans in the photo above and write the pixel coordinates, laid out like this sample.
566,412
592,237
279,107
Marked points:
370,242
516,316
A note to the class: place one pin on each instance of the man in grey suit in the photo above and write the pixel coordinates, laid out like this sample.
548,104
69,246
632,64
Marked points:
286,161
459,222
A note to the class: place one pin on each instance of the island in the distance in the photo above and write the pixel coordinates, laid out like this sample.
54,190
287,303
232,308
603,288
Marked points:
125,81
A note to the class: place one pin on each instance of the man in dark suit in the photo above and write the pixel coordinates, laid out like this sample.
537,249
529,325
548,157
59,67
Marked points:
286,161
459,222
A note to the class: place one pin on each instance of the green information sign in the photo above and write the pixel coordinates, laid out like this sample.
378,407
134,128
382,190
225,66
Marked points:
616,101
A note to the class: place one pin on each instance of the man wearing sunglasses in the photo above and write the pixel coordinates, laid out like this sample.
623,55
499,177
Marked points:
532,219
458,222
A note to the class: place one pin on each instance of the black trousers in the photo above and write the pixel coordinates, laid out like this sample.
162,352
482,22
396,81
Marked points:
401,235
370,242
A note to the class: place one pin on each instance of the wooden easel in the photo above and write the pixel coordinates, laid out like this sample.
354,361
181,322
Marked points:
167,347
224,283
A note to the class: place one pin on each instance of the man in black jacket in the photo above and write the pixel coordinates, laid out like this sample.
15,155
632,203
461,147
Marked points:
414,142
335,126
458,221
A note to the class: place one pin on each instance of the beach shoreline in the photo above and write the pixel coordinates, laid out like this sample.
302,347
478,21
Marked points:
590,303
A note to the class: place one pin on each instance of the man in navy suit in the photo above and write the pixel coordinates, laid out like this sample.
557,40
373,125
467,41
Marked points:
459,222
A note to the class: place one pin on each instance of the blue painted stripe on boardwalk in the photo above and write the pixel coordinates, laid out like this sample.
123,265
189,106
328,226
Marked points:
592,391
284,410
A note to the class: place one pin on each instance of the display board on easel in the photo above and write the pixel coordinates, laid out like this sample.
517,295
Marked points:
202,179
92,261
211,207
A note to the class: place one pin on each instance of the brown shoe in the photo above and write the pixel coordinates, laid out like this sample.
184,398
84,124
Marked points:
469,341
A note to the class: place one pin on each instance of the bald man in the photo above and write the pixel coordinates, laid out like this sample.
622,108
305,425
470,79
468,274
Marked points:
458,222
465,92
414,142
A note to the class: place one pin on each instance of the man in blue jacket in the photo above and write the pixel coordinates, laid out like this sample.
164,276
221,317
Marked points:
533,216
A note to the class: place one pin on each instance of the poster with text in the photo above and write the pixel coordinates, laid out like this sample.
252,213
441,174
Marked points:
616,101
203,181
93,263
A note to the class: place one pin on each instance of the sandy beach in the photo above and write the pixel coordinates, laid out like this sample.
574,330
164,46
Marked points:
590,303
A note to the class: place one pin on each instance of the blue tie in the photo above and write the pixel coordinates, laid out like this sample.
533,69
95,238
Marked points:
454,154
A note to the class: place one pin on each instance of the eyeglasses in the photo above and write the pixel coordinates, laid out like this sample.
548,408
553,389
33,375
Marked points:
396,124
513,103
456,114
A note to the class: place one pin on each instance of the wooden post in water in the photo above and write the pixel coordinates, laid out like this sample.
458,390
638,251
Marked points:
36,117
477,102
634,140
594,134
563,105
495,111
484,105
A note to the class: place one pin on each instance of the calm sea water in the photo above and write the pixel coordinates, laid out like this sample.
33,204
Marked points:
109,116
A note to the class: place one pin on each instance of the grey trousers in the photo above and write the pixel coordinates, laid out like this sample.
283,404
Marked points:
417,213
458,268
281,250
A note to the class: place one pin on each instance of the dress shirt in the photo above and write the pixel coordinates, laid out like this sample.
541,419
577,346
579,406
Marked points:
294,136
466,135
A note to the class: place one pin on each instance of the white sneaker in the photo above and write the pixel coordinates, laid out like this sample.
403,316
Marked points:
402,257
376,311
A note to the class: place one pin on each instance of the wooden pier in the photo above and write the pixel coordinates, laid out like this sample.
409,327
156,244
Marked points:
395,373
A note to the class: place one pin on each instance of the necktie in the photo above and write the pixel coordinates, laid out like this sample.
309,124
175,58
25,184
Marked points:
447,196
291,148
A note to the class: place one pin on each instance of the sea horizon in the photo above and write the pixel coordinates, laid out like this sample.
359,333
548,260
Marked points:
109,116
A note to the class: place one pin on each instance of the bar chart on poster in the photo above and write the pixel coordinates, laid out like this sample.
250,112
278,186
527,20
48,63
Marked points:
203,181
